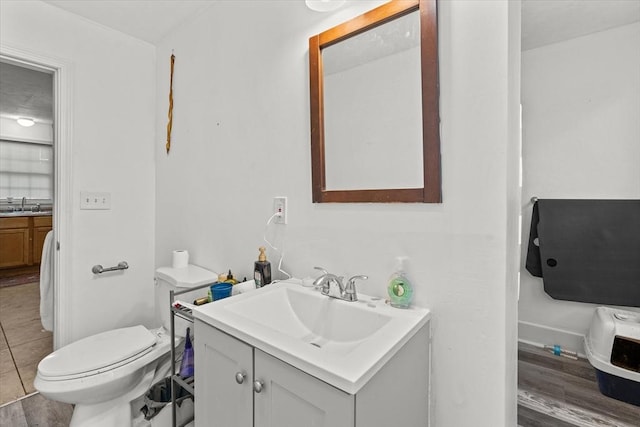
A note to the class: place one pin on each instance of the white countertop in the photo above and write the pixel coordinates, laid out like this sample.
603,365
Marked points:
345,364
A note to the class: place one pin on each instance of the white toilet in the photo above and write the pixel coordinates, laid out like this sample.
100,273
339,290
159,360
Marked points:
103,373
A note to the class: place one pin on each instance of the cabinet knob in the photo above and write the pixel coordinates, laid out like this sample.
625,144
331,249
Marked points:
258,386
240,376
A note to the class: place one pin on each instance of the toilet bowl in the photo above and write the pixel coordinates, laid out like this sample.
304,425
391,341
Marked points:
102,374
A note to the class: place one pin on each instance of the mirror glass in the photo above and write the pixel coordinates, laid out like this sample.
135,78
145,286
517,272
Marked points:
374,107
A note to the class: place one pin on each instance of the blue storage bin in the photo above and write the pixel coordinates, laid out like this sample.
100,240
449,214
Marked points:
612,346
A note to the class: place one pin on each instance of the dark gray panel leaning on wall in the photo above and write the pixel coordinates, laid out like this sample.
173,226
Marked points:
588,250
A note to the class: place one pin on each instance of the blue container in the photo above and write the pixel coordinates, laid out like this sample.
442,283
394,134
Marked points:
618,388
221,290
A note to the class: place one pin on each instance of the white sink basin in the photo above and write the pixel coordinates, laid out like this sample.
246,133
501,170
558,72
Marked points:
311,317
342,343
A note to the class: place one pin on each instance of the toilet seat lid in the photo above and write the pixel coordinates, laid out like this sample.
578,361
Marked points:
97,351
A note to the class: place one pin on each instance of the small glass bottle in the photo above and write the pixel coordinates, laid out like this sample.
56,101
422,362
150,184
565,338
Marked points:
400,289
186,367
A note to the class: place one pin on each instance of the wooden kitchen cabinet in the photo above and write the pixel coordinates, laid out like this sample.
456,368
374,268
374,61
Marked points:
22,239
41,226
15,247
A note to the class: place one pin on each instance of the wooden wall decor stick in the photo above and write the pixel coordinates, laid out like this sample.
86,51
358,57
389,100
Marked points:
170,123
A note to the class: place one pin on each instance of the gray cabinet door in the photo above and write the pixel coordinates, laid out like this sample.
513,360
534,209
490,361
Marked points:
292,398
223,379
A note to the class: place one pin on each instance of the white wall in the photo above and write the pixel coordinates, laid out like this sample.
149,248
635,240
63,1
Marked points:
581,133
241,137
112,136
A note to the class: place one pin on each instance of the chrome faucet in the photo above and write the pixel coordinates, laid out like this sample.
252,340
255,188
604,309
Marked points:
350,293
324,282
24,200
346,293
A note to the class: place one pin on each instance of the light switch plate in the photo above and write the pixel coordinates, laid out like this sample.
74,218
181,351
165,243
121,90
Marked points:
95,201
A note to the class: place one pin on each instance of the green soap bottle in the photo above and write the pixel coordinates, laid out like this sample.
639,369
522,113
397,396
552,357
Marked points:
400,289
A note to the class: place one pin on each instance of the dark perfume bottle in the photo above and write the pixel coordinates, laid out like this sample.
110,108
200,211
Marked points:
262,269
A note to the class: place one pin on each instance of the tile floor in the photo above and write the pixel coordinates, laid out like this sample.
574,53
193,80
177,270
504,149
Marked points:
35,411
23,342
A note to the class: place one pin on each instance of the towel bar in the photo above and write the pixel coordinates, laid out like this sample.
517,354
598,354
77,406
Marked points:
98,269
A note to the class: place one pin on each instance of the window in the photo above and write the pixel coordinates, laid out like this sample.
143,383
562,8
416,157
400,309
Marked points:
26,170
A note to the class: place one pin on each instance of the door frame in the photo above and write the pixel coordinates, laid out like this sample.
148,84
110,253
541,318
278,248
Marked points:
62,170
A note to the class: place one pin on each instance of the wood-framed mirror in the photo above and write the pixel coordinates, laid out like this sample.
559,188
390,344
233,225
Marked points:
375,133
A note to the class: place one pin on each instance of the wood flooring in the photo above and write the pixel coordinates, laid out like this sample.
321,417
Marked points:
555,391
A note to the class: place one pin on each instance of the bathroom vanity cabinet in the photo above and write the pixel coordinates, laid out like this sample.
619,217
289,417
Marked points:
239,385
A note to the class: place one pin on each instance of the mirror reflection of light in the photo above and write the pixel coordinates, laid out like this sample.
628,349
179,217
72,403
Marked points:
324,5
22,121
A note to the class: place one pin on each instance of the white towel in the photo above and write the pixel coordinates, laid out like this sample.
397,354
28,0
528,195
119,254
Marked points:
46,283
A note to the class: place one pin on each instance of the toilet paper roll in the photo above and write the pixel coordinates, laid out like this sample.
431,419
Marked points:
243,287
180,258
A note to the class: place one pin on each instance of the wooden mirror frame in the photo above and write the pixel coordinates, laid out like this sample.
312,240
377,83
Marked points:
431,191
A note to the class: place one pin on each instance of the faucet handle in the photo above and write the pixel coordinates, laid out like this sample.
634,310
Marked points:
352,280
321,281
350,288
321,269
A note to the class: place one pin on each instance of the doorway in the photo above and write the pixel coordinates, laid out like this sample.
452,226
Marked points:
26,222
61,70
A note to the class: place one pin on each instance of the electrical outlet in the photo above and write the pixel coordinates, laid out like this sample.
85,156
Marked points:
280,206
95,201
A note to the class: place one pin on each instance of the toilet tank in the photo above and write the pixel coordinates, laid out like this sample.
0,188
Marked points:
179,279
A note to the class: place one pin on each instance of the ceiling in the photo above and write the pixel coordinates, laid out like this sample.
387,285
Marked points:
148,20
28,93
543,21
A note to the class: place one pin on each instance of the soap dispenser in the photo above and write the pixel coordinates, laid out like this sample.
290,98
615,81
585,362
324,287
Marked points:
262,269
400,289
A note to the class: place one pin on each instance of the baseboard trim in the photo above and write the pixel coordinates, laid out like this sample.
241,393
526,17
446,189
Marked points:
539,335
